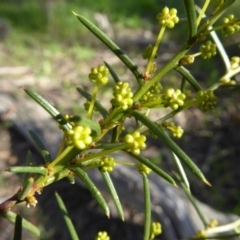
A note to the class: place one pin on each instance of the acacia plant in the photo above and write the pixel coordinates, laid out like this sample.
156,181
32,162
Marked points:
82,135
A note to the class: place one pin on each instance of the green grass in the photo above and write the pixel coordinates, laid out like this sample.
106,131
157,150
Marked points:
56,19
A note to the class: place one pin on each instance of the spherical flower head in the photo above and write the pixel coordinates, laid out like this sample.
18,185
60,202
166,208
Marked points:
153,93
99,75
107,164
173,98
79,136
213,223
168,18
205,100
136,142
230,25
156,228
122,94
102,236
176,131
228,81
148,52
235,62
201,234
208,50
156,88
186,60
143,169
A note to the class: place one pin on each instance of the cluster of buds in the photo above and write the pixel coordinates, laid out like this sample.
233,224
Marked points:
79,136
102,236
168,17
136,142
186,60
230,25
31,200
148,52
208,50
143,169
173,98
200,234
122,96
235,62
87,105
99,75
153,93
176,131
107,164
205,100
213,223
156,229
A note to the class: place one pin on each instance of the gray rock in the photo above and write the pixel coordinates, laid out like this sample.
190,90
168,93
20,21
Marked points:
170,206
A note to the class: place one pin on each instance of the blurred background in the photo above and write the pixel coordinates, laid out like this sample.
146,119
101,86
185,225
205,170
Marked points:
43,46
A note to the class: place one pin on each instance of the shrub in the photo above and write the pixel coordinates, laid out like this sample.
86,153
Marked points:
82,136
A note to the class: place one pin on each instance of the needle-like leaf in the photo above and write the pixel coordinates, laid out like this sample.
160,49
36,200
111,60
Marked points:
67,219
11,216
28,169
171,145
18,228
113,192
57,116
41,147
112,72
92,188
112,46
147,208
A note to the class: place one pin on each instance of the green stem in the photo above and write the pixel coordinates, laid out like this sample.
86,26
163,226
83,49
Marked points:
231,73
188,76
196,54
153,104
57,166
170,65
100,154
153,166
183,83
154,51
112,118
94,96
143,128
211,29
125,163
193,201
62,144
203,10
213,18
65,157
147,208
171,145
